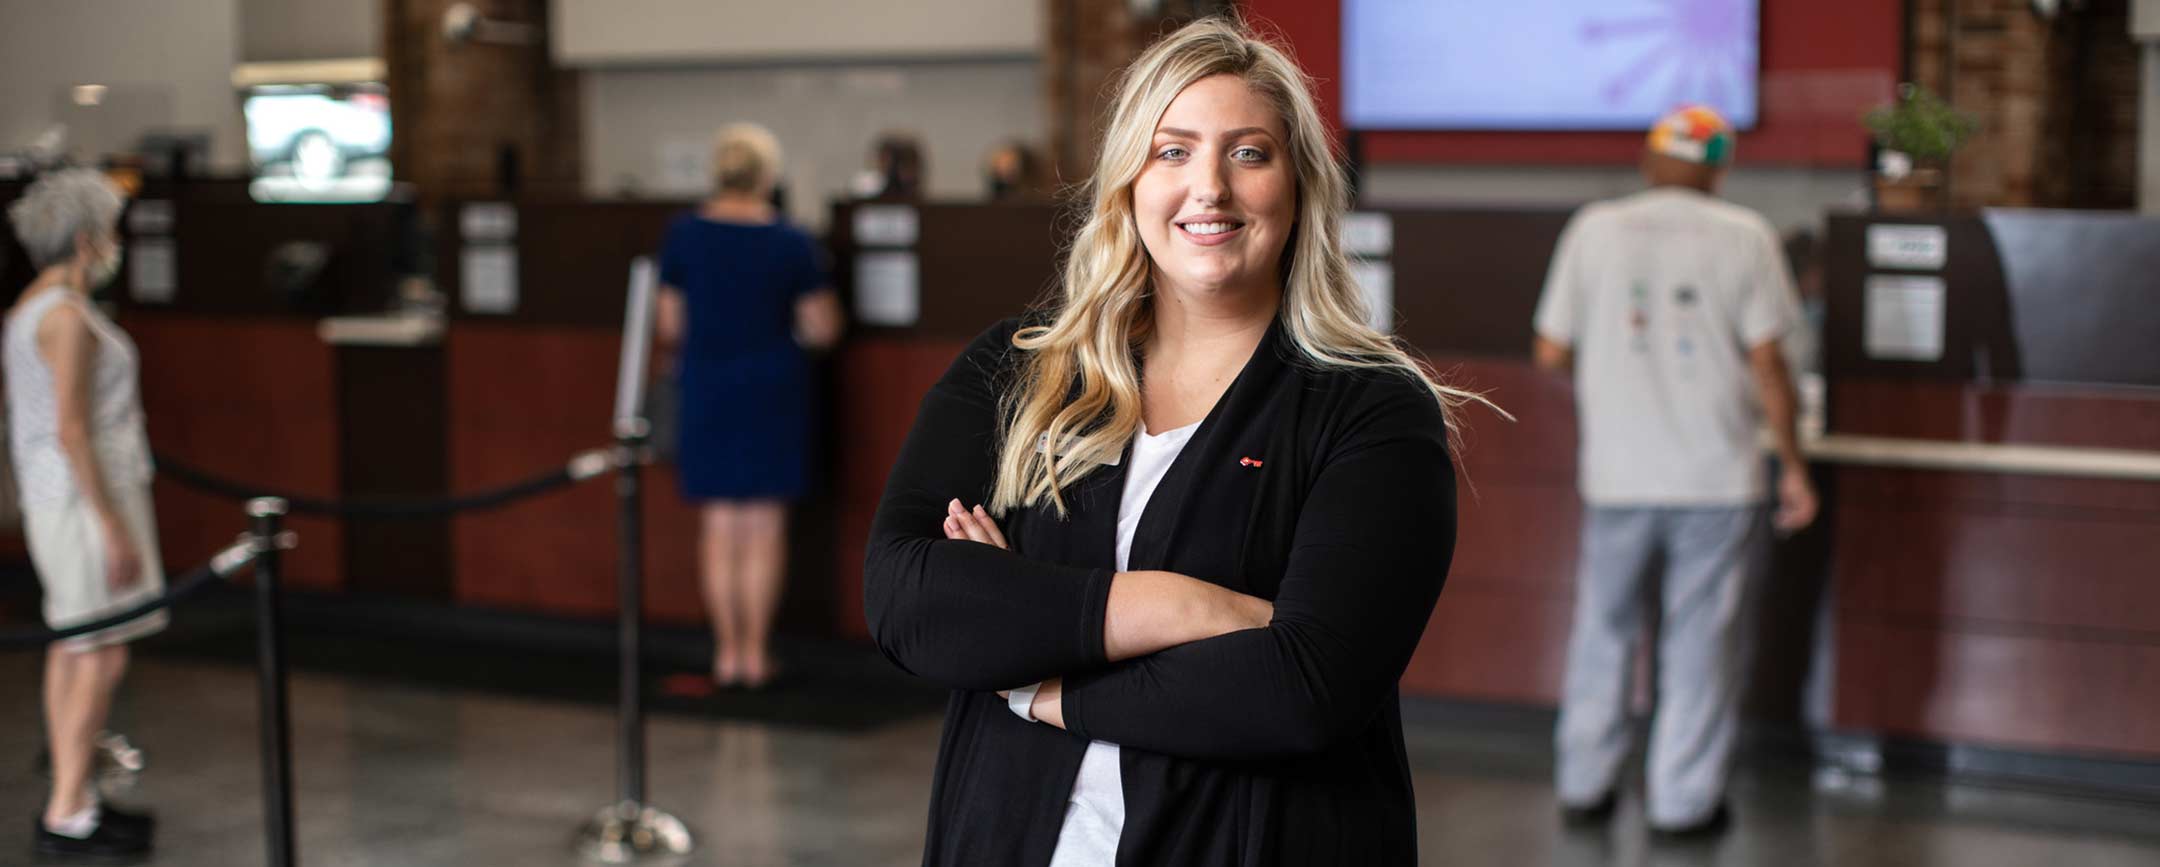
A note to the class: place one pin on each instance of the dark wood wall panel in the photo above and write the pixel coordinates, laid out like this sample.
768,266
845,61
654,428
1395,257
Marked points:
392,412
252,400
2038,295
1467,281
524,398
573,258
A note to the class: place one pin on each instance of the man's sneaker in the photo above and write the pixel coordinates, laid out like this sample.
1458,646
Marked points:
1576,815
1710,826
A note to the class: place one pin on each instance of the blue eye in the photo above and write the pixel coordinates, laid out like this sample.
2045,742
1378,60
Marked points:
1249,154
1171,153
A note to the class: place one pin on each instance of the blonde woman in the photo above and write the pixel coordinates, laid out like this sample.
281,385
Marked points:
1172,543
743,295
82,461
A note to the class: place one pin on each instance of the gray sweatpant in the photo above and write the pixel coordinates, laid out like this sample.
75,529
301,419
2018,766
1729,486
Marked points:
1709,558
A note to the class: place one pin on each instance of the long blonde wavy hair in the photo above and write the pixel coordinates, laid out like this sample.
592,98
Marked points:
1078,383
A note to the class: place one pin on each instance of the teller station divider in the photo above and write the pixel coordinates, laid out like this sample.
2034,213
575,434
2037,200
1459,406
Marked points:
1994,411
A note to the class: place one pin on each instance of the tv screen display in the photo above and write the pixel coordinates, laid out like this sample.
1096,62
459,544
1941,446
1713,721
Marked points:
1546,64
319,142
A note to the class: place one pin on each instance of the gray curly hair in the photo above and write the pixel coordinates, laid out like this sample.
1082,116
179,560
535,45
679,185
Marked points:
60,206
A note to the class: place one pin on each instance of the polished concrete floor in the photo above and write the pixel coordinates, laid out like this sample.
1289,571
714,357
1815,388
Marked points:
407,777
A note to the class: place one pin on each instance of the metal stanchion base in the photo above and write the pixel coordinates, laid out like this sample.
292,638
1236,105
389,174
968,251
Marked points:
632,833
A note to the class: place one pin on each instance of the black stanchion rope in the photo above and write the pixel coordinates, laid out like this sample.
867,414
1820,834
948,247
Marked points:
225,563
584,466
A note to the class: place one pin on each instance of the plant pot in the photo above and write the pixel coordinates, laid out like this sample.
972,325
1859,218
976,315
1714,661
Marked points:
1920,191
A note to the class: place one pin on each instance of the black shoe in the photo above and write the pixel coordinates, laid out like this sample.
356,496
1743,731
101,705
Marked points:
1711,826
105,842
1591,813
128,822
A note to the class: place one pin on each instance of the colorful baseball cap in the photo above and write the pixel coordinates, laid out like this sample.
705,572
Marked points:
1694,134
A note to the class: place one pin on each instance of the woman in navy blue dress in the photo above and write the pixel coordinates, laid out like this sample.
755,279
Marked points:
743,296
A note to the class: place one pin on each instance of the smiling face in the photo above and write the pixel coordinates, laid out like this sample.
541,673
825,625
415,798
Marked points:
1218,197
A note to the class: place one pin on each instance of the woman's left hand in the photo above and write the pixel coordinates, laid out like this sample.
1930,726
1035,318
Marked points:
973,525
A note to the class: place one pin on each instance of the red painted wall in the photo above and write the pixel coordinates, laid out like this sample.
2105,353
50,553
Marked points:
1824,62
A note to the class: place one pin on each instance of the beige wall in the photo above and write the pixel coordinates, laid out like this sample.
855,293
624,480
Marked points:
1789,197
682,31
826,116
308,29
168,63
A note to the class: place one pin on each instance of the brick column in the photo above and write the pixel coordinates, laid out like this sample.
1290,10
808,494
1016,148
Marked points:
1089,43
2055,99
456,107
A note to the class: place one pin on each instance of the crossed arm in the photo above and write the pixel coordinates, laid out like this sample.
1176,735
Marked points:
978,616
1160,661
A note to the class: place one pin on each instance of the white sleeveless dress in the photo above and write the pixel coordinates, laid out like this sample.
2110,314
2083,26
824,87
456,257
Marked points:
65,536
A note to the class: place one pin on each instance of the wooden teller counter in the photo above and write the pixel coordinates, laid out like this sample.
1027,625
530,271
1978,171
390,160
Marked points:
1983,573
267,360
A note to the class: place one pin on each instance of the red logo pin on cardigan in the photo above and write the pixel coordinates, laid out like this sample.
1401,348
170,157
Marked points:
1249,462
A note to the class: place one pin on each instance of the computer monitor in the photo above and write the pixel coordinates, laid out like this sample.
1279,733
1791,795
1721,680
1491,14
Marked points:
319,142
1547,65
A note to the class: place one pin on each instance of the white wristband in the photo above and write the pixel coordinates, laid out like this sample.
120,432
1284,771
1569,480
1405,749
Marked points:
1022,701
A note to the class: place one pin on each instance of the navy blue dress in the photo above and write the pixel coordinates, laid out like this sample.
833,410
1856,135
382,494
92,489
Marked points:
744,408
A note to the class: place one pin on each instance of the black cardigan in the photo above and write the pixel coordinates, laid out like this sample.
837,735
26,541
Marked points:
1268,746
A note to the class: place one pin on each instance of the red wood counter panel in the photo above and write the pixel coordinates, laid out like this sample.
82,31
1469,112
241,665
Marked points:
251,399
1500,629
1998,608
2001,564
1493,644
882,381
524,398
2019,691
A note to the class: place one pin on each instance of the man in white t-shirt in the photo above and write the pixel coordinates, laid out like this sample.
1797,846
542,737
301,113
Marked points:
1668,306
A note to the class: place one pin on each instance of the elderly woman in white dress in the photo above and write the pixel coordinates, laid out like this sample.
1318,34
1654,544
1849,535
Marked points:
82,462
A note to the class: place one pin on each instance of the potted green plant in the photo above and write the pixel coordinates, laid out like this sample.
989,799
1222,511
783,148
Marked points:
1917,132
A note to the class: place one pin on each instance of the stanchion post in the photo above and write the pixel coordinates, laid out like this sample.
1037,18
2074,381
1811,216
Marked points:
630,601
267,514
631,830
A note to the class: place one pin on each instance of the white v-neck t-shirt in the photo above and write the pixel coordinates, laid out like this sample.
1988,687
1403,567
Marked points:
1095,815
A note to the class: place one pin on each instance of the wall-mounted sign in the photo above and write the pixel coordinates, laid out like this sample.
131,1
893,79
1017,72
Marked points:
1904,317
488,222
886,226
1368,233
886,290
1914,248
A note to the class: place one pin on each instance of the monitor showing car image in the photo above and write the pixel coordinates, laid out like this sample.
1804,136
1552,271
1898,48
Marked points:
319,142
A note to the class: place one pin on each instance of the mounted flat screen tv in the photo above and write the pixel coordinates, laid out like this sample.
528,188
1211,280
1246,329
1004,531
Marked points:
1546,64
318,142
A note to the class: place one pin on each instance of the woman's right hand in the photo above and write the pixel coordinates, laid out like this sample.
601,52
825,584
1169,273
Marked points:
123,566
973,525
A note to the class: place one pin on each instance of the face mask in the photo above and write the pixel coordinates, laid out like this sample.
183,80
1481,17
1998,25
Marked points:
105,269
